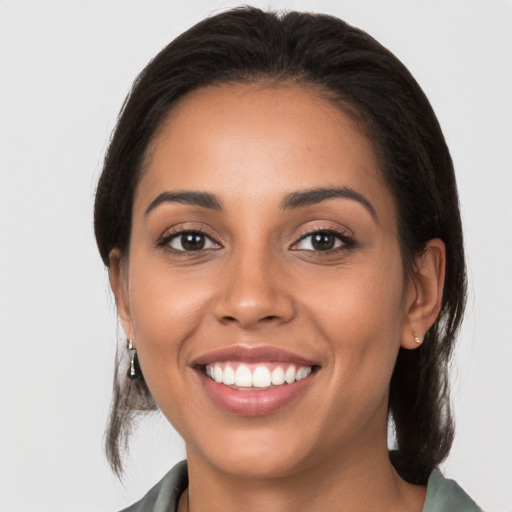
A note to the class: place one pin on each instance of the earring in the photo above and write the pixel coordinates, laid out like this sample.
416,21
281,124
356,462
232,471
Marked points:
418,340
133,372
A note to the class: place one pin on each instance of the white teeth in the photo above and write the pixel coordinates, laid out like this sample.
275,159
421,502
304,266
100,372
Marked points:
243,377
217,373
229,376
289,376
259,377
278,376
303,372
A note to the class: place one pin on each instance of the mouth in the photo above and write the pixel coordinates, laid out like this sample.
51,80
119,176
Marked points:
264,375
254,381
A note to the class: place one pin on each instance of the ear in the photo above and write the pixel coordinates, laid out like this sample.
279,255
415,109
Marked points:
118,276
424,293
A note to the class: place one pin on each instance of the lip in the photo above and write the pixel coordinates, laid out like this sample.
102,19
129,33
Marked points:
248,354
254,402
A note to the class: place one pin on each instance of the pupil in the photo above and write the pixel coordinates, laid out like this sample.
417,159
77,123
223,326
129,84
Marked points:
323,241
192,241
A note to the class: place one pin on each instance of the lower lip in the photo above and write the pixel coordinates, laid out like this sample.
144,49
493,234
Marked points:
254,402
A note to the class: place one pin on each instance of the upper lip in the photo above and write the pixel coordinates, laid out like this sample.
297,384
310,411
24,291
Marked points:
250,354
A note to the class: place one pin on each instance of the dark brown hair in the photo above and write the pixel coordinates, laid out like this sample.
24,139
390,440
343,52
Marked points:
369,83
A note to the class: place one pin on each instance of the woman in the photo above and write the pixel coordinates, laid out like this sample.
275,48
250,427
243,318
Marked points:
279,216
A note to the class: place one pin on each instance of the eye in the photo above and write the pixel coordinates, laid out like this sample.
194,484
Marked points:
189,241
325,240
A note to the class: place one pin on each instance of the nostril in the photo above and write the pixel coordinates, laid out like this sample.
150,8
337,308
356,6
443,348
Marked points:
265,319
250,311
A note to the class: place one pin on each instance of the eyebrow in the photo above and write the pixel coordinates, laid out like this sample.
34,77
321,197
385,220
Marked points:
299,199
312,196
203,199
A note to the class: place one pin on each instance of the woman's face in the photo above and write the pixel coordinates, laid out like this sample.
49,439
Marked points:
264,287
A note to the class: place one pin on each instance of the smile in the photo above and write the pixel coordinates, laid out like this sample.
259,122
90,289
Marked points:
253,381
247,377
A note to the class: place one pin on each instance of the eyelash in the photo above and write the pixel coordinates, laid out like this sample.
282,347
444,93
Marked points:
165,241
347,242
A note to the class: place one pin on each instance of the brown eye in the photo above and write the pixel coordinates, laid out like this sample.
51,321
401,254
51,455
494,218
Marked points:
191,241
321,241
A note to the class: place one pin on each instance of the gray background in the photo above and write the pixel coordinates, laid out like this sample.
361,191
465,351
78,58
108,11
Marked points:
65,67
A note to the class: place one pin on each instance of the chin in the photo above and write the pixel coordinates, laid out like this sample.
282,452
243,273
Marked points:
258,466
257,454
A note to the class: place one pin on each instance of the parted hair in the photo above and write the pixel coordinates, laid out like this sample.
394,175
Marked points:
368,83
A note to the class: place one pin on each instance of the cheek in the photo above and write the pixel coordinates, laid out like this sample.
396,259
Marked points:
163,326
361,301
167,309
362,322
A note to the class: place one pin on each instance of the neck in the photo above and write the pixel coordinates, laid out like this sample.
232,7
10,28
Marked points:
359,480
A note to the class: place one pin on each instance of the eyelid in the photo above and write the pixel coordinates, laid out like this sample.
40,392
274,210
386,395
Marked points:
176,231
346,239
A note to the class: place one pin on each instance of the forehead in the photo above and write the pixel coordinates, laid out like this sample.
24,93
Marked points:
259,141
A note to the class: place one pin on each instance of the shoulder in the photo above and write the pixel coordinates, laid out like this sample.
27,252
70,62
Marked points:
164,496
445,495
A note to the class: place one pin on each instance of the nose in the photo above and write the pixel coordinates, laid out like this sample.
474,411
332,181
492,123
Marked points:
254,293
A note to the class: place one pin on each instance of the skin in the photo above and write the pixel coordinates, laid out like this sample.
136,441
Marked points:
261,283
